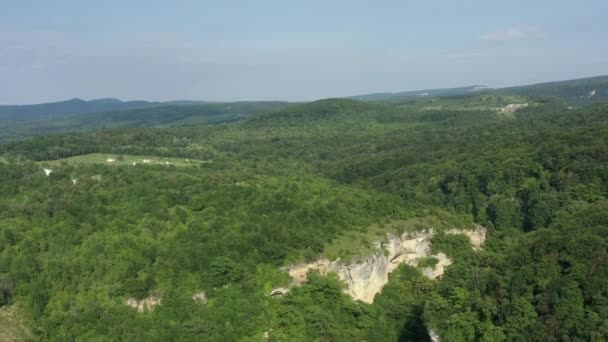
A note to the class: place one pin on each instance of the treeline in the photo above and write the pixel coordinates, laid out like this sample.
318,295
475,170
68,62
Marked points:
132,115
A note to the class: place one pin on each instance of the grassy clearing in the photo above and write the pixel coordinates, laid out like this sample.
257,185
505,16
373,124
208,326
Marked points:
122,160
13,325
354,244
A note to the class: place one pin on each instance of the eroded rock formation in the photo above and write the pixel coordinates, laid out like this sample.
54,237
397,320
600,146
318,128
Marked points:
366,277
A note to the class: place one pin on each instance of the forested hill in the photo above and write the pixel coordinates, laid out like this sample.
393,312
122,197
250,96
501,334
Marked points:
159,115
419,93
578,92
321,111
98,244
78,115
62,108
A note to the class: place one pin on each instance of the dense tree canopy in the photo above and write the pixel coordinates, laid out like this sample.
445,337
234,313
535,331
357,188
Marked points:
278,189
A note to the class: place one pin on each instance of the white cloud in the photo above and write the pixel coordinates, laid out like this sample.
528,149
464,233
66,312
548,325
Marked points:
511,33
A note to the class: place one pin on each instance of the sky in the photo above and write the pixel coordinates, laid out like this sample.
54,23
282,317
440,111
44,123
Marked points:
229,50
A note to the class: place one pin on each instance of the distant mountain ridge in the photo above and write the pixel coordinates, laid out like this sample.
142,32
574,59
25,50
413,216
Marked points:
146,114
73,106
419,93
22,121
576,92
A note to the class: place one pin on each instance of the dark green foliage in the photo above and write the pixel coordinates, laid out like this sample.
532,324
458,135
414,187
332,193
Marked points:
549,283
7,289
223,271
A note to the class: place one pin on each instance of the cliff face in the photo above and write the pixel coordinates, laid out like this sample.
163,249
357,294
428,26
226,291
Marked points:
365,278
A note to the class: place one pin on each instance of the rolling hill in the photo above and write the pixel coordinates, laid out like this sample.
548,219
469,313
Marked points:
578,92
419,93
75,115
151,115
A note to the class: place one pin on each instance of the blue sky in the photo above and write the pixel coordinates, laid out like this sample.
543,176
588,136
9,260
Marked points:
289,50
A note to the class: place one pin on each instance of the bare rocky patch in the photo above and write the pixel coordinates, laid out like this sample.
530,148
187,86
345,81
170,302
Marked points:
366,277
13,324
144,304
200,297
512,108
279,292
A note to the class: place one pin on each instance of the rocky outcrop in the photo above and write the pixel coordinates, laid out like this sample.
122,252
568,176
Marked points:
279,292
513,107
366,277
144,304
200,297
433,335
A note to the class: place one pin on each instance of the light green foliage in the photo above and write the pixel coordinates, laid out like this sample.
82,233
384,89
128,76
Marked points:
428,262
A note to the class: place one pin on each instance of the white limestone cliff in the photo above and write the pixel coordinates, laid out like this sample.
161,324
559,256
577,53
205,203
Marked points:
366,277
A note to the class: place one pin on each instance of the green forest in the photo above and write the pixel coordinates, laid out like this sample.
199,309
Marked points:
203,237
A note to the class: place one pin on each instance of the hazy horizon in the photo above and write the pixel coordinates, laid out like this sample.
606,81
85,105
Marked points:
270,50
315,99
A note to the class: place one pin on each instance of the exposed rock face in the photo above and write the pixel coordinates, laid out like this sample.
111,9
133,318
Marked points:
590,95
436,272
433,335
279,292
200,297
365,278
144,304
513,107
